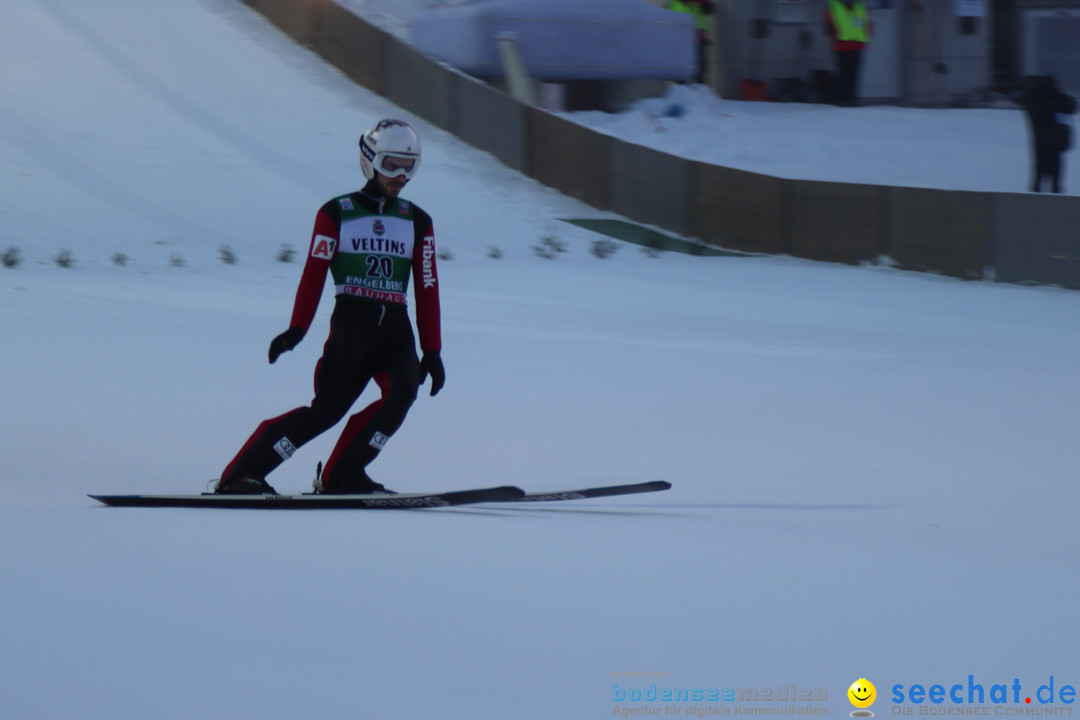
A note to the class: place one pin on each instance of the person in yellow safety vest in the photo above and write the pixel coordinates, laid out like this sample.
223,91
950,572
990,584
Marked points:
849,25
699,10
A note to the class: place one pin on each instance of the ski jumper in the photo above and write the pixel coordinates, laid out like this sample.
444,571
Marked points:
371,246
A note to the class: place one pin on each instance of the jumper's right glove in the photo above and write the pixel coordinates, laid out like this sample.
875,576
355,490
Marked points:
285,341
431,364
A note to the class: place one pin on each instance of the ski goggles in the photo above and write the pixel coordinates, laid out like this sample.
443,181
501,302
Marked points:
391,164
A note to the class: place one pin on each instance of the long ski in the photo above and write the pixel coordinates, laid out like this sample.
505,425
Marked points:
404,501
314,501
594,492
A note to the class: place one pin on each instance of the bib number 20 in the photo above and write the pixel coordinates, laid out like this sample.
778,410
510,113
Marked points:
379,267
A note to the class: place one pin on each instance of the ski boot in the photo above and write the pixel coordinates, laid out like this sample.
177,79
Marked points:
359,485
244,485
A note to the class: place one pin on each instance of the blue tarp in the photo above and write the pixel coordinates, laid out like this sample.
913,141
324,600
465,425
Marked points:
562,40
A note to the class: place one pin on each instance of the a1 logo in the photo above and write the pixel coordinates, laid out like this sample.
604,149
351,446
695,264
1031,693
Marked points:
322,247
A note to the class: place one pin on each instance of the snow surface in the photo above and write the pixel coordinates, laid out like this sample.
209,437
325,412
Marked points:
874,471
979,149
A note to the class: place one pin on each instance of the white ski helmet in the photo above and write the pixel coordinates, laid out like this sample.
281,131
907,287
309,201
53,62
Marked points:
391,148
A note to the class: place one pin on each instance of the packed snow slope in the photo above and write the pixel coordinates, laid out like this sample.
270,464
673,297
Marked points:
874,471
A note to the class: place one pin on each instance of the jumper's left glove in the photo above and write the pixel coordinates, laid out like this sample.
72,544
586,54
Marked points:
284,342
431,364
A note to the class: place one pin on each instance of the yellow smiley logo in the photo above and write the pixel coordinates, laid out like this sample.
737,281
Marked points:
862,693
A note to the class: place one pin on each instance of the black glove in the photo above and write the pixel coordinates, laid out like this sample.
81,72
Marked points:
285,341
431,364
